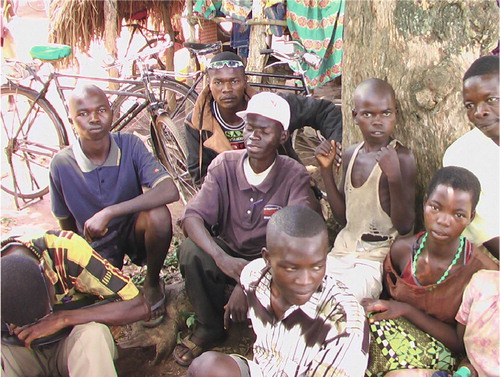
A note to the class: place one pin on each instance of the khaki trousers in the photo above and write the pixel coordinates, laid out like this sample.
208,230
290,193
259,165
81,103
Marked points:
89,350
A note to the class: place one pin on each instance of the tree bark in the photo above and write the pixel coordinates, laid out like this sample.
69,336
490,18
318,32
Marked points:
422,48
256,61
111,35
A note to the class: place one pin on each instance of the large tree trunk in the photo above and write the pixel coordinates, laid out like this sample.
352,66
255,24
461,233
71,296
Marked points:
422,48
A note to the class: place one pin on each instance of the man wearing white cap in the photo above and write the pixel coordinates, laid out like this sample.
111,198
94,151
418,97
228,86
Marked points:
215,122
241,191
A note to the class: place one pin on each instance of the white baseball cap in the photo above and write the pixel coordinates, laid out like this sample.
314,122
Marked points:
269,105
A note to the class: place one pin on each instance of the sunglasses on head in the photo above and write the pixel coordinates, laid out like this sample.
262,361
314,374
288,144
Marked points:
225,63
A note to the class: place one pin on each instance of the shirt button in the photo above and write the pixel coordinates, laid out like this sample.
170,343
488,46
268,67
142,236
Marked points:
249,212
102,180
251,200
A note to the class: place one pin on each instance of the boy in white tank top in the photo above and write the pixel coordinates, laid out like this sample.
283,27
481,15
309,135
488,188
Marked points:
376,197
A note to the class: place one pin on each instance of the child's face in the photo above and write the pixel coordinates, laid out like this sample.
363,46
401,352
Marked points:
91,114
376,116
481,102
297,267
447,212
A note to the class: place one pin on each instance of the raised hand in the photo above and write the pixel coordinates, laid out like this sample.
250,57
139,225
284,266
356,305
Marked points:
329,153
388,160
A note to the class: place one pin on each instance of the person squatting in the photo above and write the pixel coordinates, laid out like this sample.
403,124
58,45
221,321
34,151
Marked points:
384,300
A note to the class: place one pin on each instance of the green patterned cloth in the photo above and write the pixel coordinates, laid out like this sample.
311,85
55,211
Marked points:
399,344
319,26
237,9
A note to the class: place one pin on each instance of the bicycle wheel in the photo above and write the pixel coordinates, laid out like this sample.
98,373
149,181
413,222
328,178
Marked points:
304,142
172,152
28,146
171,92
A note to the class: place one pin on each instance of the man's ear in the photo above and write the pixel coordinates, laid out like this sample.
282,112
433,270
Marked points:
265,255
284,136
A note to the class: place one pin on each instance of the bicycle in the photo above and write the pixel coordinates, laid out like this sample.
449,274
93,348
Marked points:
153,107
33,130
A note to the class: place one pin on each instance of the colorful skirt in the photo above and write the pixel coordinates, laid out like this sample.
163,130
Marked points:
399,344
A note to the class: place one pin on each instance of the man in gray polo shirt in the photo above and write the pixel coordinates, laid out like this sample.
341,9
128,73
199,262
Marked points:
241,191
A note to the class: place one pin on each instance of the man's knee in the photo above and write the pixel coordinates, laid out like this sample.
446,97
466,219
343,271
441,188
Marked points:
93,334
157,220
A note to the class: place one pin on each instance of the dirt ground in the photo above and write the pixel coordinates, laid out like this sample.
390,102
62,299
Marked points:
36,218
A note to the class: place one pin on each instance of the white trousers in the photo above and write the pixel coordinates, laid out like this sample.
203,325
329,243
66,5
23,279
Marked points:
88,351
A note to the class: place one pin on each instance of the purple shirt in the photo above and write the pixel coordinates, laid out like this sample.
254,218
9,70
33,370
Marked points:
242,211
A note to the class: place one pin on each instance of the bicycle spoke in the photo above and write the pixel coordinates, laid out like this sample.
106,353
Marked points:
31,135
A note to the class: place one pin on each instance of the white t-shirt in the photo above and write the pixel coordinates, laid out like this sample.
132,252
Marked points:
476,152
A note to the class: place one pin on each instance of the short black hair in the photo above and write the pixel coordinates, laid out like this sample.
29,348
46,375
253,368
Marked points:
295,221
226,55
459,179
24,291
485,65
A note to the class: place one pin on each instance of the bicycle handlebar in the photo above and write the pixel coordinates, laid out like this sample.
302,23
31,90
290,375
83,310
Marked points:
310,58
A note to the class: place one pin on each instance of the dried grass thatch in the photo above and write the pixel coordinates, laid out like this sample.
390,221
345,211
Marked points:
79,22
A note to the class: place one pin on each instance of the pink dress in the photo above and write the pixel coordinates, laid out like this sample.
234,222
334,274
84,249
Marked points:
480,314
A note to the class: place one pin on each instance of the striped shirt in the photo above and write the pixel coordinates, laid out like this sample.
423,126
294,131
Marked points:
327,336
77,272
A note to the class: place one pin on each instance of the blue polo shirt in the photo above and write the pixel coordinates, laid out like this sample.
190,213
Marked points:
79,188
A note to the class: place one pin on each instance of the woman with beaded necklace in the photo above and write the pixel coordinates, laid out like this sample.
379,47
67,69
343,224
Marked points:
426,275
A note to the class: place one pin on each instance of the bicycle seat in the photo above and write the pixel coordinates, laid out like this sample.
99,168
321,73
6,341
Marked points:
51,51
203,48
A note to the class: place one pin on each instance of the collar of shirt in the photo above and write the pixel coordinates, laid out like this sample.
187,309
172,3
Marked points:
86,165
263,293
268,182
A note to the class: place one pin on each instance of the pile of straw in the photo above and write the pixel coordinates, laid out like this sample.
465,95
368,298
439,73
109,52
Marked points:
79,22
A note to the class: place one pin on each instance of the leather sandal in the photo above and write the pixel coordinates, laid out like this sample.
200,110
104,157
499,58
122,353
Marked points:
185,352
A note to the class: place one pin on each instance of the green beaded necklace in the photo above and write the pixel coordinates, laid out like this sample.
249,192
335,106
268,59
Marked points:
453,262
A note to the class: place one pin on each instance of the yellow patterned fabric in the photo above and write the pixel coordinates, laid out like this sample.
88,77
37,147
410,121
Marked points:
78,272
319,26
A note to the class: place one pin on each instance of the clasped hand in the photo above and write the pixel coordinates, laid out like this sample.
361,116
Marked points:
96,226
388,161
383,309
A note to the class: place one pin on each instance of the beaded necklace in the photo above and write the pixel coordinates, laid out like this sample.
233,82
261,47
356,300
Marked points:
453,262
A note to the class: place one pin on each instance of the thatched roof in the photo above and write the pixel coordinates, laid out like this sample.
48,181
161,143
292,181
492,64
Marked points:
78,22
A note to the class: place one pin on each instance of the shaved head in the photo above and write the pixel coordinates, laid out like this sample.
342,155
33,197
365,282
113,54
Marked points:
296,221
373,87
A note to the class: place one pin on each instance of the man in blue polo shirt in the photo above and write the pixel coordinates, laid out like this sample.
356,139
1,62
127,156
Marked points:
96,191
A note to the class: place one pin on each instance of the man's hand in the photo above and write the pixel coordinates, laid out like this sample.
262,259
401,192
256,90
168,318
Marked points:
96,226
231,266
45,327
236,308
387,309
388,160
329,153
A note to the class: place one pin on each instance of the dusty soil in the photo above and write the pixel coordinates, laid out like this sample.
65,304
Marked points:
36,218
